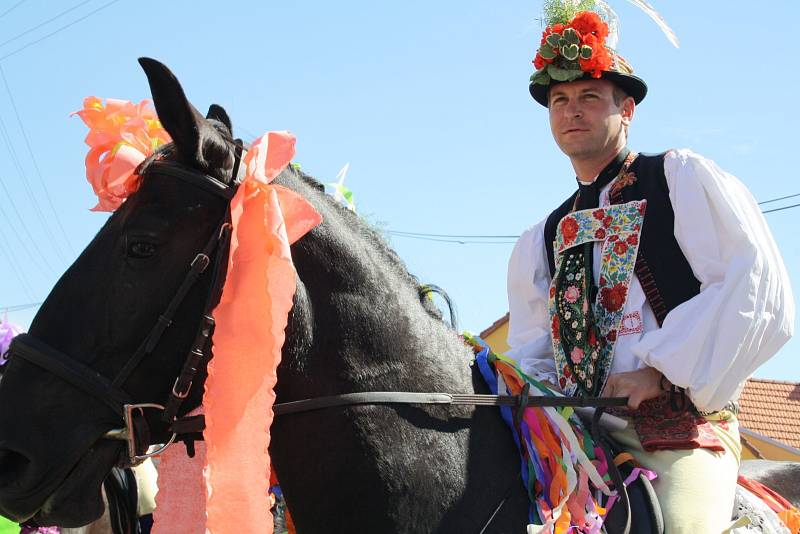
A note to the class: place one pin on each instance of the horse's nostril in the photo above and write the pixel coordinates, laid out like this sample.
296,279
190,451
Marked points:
12,465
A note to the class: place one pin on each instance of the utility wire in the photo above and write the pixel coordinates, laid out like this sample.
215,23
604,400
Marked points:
28,191
780,198
12,8
465,239
20,307
62,28
781,209
48,21
12,261
13,204
36,165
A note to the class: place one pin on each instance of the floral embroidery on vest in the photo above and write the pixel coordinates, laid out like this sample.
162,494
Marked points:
584,339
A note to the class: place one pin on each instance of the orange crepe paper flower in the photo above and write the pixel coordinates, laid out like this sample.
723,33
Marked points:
121,135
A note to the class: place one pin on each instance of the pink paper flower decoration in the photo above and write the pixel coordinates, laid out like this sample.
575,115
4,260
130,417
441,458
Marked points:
7,333
121,135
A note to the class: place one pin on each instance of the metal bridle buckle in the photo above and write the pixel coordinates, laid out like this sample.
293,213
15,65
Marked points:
128,434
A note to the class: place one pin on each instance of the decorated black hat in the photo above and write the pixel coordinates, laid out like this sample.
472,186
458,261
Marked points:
575,45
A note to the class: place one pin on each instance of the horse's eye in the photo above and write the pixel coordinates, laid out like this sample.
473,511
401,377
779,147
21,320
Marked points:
141,249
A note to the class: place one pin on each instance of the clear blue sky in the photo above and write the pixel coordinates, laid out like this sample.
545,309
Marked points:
427,100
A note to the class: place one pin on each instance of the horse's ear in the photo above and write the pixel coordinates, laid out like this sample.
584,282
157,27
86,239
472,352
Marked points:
218,113
176,113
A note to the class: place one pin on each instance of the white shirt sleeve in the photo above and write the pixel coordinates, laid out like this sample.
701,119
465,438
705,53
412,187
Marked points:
745,311
529,320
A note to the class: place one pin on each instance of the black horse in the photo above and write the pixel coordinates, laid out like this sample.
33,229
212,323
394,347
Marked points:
357,325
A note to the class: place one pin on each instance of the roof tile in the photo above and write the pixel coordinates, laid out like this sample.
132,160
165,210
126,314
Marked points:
772,408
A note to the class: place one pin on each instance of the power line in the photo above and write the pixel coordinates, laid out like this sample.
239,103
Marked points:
36,165
12,8
25,228
415,234
62,28
29,192
458,241
780,198
468,239
20,307
781,209
12,261
48,21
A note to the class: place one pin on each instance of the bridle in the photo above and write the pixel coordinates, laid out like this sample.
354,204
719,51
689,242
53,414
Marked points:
135,430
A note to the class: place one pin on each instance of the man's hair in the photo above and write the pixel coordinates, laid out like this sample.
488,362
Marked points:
619,95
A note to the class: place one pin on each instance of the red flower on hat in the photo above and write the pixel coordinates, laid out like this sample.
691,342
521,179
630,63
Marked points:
613,298
589,23
601,59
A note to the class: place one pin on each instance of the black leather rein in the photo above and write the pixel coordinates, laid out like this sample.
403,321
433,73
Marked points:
136,432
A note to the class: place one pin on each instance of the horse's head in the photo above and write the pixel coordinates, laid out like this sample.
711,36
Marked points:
105,312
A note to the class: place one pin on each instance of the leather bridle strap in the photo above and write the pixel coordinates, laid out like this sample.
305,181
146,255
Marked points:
196,268
79,375
399,397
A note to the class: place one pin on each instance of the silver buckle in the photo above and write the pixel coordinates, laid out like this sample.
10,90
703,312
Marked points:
128,434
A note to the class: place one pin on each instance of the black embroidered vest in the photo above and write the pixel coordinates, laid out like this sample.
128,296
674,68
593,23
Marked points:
662,269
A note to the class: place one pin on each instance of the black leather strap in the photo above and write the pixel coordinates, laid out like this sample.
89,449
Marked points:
81,376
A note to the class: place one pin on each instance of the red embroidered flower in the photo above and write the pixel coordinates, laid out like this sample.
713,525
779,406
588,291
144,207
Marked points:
562,382
599,214
576,355
592,338
642,207
603,278
600,233
633,240
552,291
620,248
554,328
607,221
569,229
612,336
613,298
613,238
565,371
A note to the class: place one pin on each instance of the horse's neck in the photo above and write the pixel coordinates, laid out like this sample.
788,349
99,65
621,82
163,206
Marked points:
378,468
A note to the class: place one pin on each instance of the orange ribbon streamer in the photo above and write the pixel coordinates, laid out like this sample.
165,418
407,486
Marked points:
251,318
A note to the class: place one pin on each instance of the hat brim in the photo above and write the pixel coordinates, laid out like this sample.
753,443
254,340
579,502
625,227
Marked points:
632,85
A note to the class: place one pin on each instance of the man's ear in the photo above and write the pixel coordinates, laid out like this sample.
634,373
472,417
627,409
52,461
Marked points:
628,109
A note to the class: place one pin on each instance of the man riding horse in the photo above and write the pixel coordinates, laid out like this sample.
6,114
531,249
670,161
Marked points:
657,280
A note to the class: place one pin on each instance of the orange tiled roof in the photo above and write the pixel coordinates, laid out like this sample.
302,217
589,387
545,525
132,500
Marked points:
772,408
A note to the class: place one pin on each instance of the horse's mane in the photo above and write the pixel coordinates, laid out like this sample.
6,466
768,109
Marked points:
356,225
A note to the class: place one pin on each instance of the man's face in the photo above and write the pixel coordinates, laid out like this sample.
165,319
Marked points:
585,121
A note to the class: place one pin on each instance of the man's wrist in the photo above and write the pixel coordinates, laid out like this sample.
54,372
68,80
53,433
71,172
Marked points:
663,383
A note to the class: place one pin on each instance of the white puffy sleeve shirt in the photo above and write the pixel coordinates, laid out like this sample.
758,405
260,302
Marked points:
709,344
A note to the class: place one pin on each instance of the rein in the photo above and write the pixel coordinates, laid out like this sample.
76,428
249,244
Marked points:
136,431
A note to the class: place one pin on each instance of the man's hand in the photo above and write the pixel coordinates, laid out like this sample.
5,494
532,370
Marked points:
638,386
